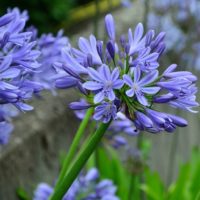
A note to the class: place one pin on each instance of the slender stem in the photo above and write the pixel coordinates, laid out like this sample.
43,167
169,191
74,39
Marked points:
172,157
79,162
131,186
96,18
74,145
146,13
110,5
140,176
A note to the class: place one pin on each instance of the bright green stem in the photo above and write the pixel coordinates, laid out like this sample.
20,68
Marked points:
74,145
79,162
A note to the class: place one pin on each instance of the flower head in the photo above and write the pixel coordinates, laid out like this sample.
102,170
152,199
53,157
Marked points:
18,61
85,187
124,77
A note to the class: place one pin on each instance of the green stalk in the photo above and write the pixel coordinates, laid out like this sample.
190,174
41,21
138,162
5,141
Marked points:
131,187
141,175
96,18
79,162
74,145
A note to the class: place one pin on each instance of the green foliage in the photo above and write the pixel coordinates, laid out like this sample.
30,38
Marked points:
153,186
186,187
132,187
110,166
22,194
46,15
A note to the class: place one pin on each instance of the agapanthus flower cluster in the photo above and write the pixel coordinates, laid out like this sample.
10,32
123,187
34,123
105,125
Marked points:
122,76
179,19
87,187
50,47
17,60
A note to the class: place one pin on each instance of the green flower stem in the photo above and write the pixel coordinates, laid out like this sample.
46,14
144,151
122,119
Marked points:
79,162
140,139
74,145
131,187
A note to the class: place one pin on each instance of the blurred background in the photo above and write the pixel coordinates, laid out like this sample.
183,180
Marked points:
40,136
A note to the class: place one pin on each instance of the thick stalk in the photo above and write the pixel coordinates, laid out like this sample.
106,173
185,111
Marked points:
79,162
74,145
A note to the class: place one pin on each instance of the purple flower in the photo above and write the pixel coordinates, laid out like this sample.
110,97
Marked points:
180,87
87,47
84,187
43,192
5,131
146,61
126,3
140,87
81,105
155,122
12,25
157,44
96,69
165,121
144,120
72,63
105,112
137,42
123,125
104,83
106,189
51,52
7,112
110,26
18,61
185,99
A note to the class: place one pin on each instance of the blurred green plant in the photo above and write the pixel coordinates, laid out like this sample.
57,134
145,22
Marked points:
44,14
186,186
125,171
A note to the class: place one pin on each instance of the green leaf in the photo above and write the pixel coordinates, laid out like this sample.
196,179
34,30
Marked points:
110,166
22,194
153,185
181,185
194,185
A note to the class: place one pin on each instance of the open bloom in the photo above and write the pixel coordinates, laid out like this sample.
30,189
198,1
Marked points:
140,87
104,83
105,112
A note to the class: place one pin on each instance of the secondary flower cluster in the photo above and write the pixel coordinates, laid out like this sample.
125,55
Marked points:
26,65
123,76
84,187
18,60
179,19
50,47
